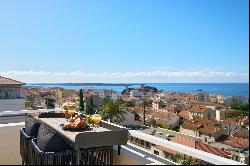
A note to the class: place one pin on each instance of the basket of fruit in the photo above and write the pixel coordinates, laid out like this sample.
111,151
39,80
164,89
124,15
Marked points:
77,123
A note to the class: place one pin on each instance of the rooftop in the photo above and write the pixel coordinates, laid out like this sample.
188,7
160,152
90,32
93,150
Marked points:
237,142
243,133
228,121
191,126
198,109
211,149
210,130
184,114
8,81
164,133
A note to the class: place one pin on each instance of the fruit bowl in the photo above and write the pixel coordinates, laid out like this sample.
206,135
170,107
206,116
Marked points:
86,128
77,123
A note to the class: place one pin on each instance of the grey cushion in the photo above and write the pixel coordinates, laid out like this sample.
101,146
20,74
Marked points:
31,126
49,141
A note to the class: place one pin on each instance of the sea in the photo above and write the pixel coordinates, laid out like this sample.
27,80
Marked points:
226,89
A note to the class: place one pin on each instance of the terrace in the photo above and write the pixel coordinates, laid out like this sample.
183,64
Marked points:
131,154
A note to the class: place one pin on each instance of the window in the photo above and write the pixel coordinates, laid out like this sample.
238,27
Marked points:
156,152
137,117
142,143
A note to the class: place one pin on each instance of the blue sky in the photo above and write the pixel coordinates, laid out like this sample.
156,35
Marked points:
125,40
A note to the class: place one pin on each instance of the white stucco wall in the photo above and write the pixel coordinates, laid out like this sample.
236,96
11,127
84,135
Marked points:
12,104
129,119
189,132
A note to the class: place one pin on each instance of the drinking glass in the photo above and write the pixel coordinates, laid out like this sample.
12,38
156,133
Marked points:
71,112
96,118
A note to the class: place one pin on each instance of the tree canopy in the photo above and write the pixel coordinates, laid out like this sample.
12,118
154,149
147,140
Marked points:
242,107
81,103
150,88
144,89
112,110
234,114
50,103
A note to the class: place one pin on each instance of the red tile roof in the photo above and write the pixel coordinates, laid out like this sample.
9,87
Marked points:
194,144
184,114
191,126
229,121
8,81
198,109
243,133
237,142
210,149
210,130
202,102
180,140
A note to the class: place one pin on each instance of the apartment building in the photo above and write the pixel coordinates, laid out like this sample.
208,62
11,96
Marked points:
157,105
203,96
229,126
206,129
199,111
11,95
136,94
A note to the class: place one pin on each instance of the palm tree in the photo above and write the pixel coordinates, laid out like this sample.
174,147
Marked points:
112,110
144,103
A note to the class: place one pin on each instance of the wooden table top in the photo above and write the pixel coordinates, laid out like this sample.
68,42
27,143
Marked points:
71,135
108,135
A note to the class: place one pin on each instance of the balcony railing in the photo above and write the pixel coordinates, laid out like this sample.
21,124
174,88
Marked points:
208,157
130,154
139,156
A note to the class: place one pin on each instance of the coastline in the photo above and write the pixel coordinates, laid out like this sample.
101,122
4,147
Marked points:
226,89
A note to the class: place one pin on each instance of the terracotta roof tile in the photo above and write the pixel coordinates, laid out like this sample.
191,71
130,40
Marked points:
210,130
244,133
202,102
184,114
237,142
198,109
8,81
210,149
191,126
228,121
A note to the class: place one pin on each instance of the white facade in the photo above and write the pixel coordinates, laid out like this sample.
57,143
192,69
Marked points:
129,119
193,133
220,98
136,94
220,115
155,105
101,93
12,104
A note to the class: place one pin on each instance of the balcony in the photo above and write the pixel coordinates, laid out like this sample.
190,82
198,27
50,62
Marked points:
131,154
